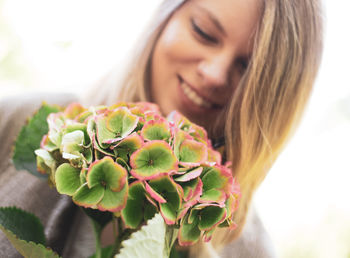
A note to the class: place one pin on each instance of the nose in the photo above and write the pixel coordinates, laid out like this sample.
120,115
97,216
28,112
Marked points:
214,70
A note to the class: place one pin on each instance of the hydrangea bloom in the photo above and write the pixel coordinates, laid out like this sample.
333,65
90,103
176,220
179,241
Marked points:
130,160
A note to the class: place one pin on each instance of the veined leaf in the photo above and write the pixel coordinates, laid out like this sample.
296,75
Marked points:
29,139
25,232
24,225
29,249
148,242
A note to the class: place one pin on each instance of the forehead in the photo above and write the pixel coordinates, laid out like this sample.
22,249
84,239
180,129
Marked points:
238,18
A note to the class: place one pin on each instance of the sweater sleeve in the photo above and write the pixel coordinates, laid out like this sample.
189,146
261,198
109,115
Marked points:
254,242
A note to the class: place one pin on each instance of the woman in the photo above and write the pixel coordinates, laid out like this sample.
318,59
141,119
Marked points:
243,69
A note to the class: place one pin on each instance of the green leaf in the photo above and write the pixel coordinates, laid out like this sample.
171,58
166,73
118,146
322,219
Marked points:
29,139
25,232
67,179
29,249
23,224
148,242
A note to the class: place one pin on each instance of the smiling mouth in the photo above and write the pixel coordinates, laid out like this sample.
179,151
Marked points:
195,98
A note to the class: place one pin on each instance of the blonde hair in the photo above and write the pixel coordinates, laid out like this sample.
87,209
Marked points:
268,102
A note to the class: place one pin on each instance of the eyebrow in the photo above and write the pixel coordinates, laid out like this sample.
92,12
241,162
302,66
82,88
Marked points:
213,19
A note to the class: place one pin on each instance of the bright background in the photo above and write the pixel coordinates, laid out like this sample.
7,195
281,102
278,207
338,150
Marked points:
65,45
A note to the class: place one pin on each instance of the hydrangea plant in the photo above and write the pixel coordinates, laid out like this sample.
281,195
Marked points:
130,161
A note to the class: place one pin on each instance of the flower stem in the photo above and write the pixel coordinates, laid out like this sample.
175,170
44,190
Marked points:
97,231
123,233
170,238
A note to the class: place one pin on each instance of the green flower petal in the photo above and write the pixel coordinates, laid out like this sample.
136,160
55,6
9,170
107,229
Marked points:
199,133
208,235
168,189
152,159
213,195
67,179
107,173
214,156
114,201
194,173
179,137
168,213
71,145
192,151
192,188
214,177
149,211
126,147
193,216
73,110
154,195
87,197
121,122
55,121
165,186
78,127
82,118
179,120
45,162
156,130
46,144
132,214
188,233
103,135
211,216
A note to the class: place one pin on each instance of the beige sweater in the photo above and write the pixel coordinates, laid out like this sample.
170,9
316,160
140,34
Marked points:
67,229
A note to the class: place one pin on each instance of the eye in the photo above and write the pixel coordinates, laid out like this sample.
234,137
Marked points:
204,36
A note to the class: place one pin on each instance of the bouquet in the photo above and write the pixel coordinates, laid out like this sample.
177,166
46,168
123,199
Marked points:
128,164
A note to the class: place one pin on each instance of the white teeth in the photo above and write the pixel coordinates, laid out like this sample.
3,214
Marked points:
192,95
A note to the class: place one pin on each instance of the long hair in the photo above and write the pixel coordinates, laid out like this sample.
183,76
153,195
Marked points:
269,100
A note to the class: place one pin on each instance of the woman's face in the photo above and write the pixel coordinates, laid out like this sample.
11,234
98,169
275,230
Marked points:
201,56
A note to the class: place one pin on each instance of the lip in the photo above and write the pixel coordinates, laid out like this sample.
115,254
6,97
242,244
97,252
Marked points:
214,104
188,106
